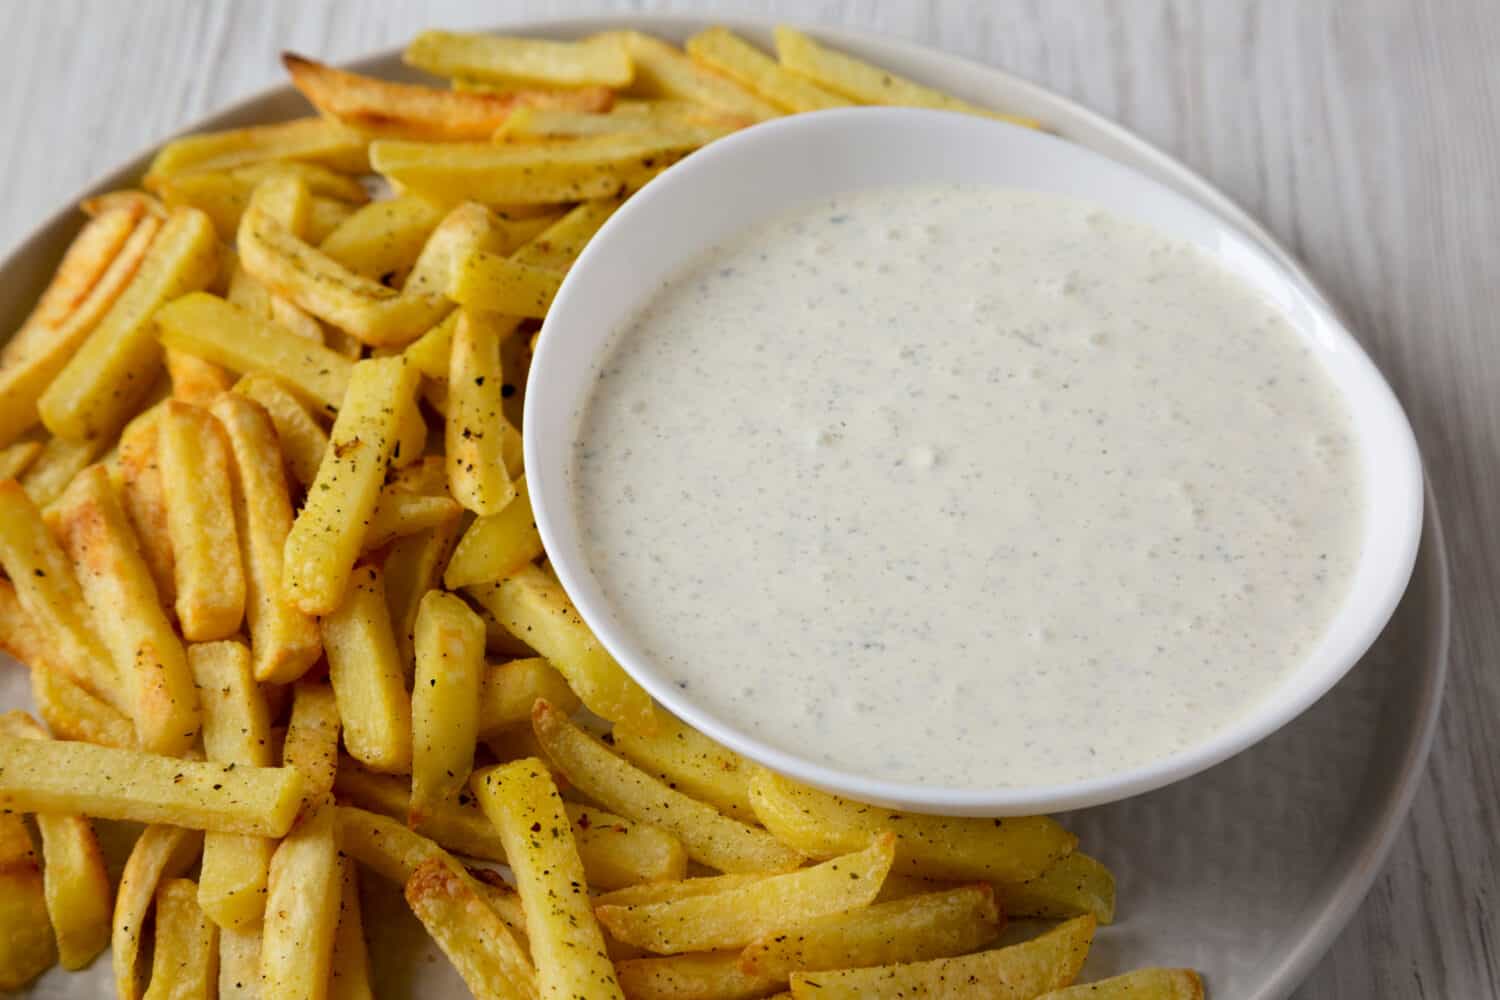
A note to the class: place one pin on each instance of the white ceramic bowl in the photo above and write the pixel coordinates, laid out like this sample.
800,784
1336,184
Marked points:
763,171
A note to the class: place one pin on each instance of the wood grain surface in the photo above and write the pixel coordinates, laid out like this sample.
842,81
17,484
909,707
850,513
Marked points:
1366,136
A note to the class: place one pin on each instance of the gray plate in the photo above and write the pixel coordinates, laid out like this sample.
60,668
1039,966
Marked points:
1247,871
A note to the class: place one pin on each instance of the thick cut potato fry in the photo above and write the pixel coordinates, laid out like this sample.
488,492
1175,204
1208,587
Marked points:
283,638
364,668
915,929
670,892
472,935
566,941
662,70
185,961
599,61
444,701
716,975
145,500
388,846
723,50
867,84
302,909
239,964
499,284
195,471
399,514
324,216
382,240
306,140
430,351
107,783
56,464
285,198
49,593
1142,984
414,565
312,737
160,852
129,199
127,613
15,459
477,476
1019,972
533,607
111,372
708,836
349,979
509,690
820,825
302,440
291,318
325,538
411,436
691,763
1075,885
194,380
224,195
736,917
559,245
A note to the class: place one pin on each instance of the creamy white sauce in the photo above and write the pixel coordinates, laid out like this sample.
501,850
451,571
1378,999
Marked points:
968,487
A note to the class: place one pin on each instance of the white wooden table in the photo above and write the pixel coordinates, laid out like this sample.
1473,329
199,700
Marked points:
1366,136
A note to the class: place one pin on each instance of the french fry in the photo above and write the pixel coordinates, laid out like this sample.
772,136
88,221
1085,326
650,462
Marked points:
185,960
821,825
145,501
194,380
324,216
692,763
430,351
867,84
319,180
285,198
349,979
49,593
127,614
708,836
382,240
218,331
108,375
55,466
365,670
477,476
533,607
566,941
302,909
128,199
1075,885
224,195
388,846
499,284
721,49
445,701
1142,984
15,458
107,783
1048,962
239,964
284,639
915,929
691,977
399,514
306,140
662,70
312,737
325,538
600,61
468,228
469,932
414,565
737,917
427,476
645,116
670,892
195,470
509,690
160,853
301,438
559,245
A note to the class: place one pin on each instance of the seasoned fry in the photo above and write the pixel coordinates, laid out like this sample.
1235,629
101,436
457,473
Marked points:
601,61
224,195
307,140
669,892
468,228
107,783
195,470
477,476
387,846
821,825
469,932
692,763
533,607
369,684
559,245
326,536
427,476
399,514
349,979
1142,984
185,960
145,500
709,837
723,50
690,977
414,565
382,240
160,852
239,964
445,701
509,690
1075,885
324,216
312,737
302,909
1015,973
566,942
662,70
430,351
499,284
301,439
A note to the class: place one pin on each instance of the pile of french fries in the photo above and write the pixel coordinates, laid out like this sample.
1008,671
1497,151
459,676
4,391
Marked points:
272,566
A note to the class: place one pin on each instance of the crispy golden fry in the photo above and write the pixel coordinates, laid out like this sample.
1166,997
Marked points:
185,960
306,140
324,216
239,964
567,943
294,320
107,783
161,852
430,351
194,380
145,500
469,932
55,466
49,593
672,891
691,763
312,737
109,374
127,614
365,670
1142,984
470,227
326,536
867,84
1075,885
509,690
15,459
224,195
388,846
645,116
32,362
195,470
499,284
533,607
399,514
382,240
302,909
1018,972
284,198
221,332
414,565
411,436
915,929
319,180
821,825
736,917
284,639
349,978
723,50
692,977
662,70
128,199
445,701
600,61
709,837
558,246
477,476
301,439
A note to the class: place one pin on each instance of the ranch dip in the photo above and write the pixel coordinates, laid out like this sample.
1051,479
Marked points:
967,486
